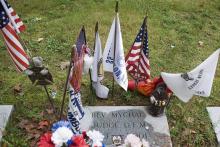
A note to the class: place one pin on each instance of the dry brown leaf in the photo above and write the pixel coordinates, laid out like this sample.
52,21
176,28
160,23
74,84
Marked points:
43,124
201,43
42,114
186,132
49,111
40,39
192,131
29,127
190,120
64,65
17,89
23,123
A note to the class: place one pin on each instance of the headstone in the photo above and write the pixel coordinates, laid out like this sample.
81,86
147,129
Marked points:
214,114
116,122
5,112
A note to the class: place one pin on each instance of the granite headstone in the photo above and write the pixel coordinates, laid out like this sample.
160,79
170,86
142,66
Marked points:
214,114
116,122
5,112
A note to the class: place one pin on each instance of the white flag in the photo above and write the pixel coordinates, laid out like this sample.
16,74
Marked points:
108,54
88,60
119,71
196,82
97,70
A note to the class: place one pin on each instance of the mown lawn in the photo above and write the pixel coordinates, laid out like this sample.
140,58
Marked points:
177,23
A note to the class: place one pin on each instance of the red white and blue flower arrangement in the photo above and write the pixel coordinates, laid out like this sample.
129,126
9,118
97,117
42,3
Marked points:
62,135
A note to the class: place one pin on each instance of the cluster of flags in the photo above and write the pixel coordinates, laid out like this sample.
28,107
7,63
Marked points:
184,85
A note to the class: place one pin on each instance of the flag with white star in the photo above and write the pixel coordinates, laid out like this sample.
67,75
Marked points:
9,13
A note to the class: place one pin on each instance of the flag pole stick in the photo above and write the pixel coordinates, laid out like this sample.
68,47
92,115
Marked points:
90,73
49,98
115,39
67,79
96,30
138,72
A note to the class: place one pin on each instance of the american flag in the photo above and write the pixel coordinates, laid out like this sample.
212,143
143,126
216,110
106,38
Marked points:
9,24
75,108
137,59
76,73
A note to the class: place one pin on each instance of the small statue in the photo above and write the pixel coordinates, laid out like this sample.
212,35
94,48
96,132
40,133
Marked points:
158,92
159,100
38,74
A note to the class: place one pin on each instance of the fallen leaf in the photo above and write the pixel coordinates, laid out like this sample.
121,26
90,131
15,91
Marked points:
49,111
40,39
35,134
201,43
42,124
192,131
186,132
42,114
172,46
64,65
190,120
23,123
18,89
38,19
29,127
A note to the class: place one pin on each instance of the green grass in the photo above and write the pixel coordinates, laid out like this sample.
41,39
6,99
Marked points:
170,22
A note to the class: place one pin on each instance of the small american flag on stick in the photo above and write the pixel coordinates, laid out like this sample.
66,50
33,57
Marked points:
10,25
137,59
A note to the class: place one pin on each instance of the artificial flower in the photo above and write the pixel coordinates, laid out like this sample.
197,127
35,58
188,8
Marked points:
145,143
59,124
78,141
61,136
45,140
132,141
96,137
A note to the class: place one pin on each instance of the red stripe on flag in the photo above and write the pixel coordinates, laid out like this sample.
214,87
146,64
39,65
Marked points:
12,31
18,20
17,66
145,62
134,55
13,13
22,28
136,47
15,45
17,58
132,62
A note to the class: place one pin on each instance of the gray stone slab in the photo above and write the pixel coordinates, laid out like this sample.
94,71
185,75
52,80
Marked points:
5,112
214,114
120,121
